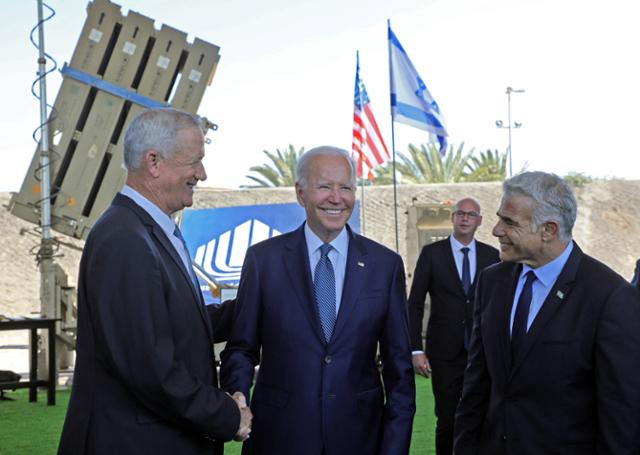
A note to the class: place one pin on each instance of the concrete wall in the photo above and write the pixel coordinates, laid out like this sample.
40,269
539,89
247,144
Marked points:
608,227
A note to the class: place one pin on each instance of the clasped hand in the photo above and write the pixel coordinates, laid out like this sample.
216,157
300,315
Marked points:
245,417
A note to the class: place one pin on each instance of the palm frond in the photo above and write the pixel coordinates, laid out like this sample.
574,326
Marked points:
281,171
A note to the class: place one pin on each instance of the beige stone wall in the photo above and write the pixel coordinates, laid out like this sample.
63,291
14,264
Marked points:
607,228
608,224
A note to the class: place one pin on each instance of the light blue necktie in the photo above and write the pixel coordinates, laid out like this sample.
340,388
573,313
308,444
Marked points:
190,271
324,289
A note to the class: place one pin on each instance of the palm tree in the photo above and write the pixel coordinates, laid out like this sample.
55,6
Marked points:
488,167
424,164
383,175
281,173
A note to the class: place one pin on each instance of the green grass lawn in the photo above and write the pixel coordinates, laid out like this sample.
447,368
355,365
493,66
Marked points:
34,428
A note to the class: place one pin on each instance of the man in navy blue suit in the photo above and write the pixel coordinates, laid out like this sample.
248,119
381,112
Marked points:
145,379
312,308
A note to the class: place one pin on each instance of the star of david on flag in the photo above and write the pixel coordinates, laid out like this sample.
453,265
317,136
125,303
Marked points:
411,102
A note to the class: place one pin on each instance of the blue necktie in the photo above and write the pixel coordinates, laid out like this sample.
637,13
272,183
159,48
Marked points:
324,289
519,329
466,273
190,271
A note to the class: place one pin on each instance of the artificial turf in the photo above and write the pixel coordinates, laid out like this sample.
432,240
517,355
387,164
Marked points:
34,428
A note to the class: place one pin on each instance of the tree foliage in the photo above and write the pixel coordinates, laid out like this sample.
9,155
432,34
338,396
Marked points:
489,166
421,164
424,164
578,179
280,172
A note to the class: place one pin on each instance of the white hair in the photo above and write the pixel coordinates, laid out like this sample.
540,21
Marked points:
155,129
303,166
553,199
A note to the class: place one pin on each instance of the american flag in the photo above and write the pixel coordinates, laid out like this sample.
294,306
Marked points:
369,149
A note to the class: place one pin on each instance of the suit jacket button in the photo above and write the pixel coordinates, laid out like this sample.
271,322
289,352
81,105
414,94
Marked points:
504,437
327,359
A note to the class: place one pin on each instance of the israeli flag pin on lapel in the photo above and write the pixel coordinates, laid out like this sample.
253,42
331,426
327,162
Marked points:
560,295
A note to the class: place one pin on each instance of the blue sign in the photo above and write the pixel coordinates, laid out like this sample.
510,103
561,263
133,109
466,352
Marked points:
218,238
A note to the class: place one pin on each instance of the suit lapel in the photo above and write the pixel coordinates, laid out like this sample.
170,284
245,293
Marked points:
451,265
197,295
296,261
354,280
510,283
480,264
552,303
158,234
483,260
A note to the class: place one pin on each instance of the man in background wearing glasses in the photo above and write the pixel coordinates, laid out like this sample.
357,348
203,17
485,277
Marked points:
446,270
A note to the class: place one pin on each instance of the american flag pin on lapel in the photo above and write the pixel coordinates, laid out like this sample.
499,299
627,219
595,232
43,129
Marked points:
360,264
560,295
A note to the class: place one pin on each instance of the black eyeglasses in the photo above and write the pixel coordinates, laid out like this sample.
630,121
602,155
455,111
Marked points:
462,213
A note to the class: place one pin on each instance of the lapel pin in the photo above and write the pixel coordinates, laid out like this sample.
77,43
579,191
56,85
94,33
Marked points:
560,295
360,264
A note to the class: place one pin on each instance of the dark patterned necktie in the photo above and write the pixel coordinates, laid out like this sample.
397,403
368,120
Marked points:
324,288
519,329
466,270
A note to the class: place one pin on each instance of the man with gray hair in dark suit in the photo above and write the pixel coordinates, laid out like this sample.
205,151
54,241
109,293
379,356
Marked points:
145,378
554,363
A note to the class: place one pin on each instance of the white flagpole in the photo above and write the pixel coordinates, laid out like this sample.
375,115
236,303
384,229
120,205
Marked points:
362,205
393,146
360,158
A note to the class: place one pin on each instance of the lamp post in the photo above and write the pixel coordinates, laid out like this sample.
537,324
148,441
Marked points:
510,125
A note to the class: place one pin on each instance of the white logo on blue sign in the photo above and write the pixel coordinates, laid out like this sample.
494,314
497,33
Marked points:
218,238
222,259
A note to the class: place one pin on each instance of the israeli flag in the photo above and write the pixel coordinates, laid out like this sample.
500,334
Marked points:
411,102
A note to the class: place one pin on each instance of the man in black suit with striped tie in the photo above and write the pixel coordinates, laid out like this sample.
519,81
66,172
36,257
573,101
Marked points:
446,270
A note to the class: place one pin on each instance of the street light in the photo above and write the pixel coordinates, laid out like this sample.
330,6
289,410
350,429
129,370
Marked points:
509,125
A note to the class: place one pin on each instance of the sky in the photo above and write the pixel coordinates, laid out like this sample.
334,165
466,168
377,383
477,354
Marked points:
287,69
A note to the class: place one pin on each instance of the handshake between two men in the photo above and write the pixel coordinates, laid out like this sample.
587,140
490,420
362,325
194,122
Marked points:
145,381
244,430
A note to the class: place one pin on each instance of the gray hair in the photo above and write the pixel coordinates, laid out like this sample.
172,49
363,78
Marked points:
155,129
303,166
553,199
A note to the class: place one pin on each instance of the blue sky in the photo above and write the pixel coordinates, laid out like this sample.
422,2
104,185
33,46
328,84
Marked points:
287,71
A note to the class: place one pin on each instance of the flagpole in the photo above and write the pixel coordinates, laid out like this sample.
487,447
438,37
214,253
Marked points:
362,205
395,194
360,159
393,152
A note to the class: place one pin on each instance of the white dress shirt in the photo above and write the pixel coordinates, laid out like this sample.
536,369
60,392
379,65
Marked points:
546,277
163,220
458,256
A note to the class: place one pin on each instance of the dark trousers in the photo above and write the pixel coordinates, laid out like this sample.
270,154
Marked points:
446,380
